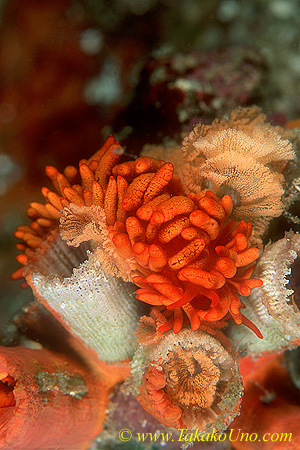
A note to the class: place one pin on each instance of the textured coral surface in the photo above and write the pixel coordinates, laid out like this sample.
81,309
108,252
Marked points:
75,71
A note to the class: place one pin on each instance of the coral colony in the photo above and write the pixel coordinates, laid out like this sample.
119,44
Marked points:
160,267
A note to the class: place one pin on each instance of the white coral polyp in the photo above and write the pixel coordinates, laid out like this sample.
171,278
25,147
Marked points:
250,180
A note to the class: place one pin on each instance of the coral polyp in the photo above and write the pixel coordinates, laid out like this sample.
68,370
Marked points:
194,257
188,380
199,261
45,217
244,156
183,251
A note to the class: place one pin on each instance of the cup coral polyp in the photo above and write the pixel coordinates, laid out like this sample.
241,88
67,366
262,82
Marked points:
184,252
196,259
186,380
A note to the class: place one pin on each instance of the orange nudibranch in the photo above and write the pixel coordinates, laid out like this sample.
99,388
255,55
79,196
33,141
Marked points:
49,401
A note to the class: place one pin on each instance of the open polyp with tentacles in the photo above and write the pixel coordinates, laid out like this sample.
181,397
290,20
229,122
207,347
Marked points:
185,380
189,258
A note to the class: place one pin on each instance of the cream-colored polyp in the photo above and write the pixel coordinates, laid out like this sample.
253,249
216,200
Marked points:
98,307
243,157
189,347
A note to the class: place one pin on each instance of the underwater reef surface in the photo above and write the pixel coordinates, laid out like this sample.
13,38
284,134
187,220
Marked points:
164,267
149,268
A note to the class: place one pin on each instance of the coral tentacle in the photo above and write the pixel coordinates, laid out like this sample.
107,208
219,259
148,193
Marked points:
198,254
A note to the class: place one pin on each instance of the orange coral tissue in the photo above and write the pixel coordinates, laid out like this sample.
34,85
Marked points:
186,254
47,401
191,258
